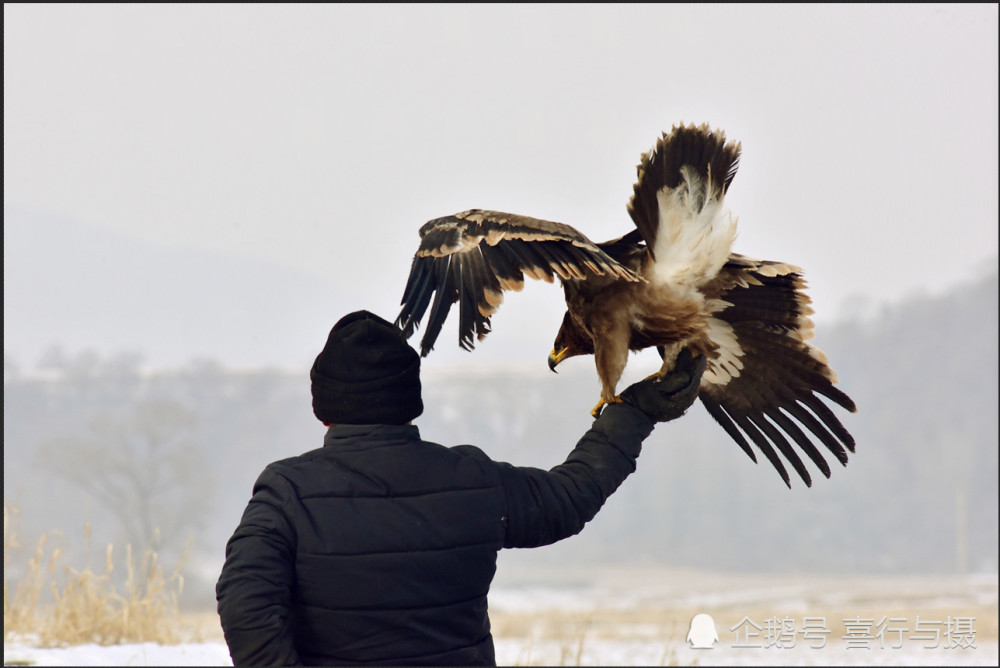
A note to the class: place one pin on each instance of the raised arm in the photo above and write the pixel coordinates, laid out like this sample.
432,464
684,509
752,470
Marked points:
547,506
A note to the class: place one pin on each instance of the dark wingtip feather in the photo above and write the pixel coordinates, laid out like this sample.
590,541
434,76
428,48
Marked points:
416,297
774,436
813,425
838,397
799,437
443,299
823,412
722,418
765,446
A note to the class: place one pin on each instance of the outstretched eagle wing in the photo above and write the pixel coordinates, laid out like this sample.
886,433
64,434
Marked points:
474,256
766,373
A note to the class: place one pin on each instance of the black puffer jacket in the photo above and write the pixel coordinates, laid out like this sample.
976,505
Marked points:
380,547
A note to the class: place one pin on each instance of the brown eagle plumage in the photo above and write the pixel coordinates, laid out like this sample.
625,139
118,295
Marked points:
671,283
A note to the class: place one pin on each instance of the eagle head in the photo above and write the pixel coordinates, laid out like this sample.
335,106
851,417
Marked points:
571,340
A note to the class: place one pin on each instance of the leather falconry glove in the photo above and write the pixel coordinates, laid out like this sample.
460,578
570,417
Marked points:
667,398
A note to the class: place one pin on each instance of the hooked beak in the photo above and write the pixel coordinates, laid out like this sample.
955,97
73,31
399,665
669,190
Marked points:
556,357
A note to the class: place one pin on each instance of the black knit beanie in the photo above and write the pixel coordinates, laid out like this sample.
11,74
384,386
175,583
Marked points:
366,374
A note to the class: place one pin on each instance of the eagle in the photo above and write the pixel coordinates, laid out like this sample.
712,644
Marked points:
672,283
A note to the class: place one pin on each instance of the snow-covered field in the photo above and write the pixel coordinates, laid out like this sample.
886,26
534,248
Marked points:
146,654
635,617
517,652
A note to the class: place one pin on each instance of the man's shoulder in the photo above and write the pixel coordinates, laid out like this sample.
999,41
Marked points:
419,454
294,460
463,455
466,450
288,469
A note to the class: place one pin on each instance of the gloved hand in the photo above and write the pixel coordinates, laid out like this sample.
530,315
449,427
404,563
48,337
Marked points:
667,398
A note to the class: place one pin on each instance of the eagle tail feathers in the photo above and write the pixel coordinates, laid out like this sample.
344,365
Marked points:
678,203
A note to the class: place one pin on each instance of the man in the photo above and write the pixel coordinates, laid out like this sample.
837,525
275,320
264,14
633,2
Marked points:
380,547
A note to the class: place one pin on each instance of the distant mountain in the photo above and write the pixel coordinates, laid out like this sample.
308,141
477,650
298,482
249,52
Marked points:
75,285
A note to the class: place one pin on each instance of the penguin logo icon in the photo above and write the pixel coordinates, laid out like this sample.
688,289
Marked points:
702,634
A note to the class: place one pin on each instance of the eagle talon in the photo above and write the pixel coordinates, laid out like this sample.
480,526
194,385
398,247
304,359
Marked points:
596,410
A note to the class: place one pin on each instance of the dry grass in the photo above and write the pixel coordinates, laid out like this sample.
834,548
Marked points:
59,605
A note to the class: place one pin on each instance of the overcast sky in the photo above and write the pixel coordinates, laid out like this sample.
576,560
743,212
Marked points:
320,137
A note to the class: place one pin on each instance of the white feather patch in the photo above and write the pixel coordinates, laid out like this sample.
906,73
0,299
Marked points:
691,245
728,365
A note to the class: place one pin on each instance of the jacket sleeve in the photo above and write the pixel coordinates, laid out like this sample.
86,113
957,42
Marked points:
546,506
255,588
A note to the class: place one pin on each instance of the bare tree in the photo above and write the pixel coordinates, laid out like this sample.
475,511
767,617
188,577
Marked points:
143,467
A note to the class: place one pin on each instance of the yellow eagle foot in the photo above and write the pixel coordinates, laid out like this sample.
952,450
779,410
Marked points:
602,403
